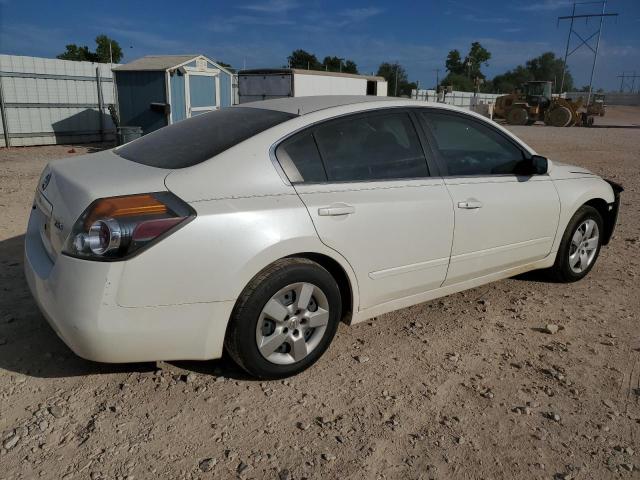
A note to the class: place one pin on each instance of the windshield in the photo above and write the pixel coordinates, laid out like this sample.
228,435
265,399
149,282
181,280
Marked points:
199,138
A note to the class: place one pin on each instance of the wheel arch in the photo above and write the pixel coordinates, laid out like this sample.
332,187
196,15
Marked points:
341,277
602,207
336,265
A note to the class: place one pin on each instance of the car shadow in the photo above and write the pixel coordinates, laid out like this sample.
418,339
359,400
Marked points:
541,276
29,346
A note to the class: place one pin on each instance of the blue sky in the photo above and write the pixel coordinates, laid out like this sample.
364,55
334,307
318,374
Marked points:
262,34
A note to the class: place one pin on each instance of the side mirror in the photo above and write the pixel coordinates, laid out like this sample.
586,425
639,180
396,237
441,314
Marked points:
539,165
533,165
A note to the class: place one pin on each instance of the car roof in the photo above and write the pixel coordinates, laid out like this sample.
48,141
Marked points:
305,105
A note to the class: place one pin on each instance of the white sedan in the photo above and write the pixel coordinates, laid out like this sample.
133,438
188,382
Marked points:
258,228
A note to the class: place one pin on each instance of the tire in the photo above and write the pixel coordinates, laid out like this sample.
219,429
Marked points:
564,270
560,117
268,324
517,116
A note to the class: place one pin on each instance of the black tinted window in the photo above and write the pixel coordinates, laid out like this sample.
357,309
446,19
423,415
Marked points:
197,139
375,147
300,160
469,148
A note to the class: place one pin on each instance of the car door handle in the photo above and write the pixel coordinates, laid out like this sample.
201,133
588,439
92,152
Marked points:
470,204
336,209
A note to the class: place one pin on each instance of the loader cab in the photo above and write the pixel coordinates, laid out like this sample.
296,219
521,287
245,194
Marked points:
538,93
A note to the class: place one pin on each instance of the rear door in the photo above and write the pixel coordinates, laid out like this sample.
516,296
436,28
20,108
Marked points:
504,218
366,183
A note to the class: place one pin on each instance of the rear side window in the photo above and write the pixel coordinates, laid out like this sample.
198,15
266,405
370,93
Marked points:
466,147
374,147
197,139
300,160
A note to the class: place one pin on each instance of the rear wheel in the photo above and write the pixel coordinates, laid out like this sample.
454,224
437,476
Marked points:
517,116
285,319
580,246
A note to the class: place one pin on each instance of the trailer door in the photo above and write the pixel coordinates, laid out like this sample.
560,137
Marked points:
255,87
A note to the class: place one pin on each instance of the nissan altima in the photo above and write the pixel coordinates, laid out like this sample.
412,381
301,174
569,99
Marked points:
256,229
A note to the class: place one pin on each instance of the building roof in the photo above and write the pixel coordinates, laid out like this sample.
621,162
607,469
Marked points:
304,105
300,71
162,62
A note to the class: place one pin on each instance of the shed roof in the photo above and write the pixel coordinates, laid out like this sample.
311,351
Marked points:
162,62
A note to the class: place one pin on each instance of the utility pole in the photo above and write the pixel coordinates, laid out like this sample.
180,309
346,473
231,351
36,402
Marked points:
437,70
395,87
113,83
584,41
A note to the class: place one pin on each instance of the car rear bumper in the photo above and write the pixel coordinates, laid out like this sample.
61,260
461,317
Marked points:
79,300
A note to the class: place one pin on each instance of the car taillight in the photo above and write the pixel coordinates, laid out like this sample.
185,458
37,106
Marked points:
117,227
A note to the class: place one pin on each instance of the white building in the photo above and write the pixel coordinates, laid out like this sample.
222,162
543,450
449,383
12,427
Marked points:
262,84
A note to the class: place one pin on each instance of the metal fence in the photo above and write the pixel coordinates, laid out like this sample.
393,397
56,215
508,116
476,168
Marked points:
459,99
47,101
610,98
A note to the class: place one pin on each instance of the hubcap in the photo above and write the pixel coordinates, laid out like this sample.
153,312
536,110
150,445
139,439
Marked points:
292,323
584,245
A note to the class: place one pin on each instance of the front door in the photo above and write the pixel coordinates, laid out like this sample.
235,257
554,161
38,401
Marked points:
365,182
201,93
503,218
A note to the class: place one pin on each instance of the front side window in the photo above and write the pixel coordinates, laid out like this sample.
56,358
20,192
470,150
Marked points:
373,147
466,147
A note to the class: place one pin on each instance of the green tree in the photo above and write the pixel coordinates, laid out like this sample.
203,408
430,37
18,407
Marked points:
509,81
102,50
101,55
546,67
337,64
459,82
76,53
224,64
454,63
395,74
303,59
477,56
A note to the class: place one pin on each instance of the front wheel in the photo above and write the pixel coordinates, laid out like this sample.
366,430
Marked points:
580,246
285,319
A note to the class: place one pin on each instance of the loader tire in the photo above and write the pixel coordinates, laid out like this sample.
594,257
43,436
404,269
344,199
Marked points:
517,116
559,117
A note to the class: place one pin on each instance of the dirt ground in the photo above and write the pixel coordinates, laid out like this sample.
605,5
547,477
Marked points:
467,386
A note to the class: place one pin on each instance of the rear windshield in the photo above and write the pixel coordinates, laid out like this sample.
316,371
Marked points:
199,138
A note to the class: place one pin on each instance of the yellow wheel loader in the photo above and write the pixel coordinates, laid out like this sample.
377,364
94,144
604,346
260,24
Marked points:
535,103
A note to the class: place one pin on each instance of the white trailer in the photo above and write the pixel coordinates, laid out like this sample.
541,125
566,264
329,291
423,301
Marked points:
262,84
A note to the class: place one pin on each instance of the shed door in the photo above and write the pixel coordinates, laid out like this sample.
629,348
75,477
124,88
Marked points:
202,91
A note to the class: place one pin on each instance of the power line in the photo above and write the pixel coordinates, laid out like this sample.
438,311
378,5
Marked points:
584,42
628,80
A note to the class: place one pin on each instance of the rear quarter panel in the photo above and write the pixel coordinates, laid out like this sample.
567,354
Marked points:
215,256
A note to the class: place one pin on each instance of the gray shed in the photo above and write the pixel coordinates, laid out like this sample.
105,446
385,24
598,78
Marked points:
158,90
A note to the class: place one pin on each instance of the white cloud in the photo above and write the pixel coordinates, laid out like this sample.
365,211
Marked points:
360,14
230,24
272,6
546,5
475,18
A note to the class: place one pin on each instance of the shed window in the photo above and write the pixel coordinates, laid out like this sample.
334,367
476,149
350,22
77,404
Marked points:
200,138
